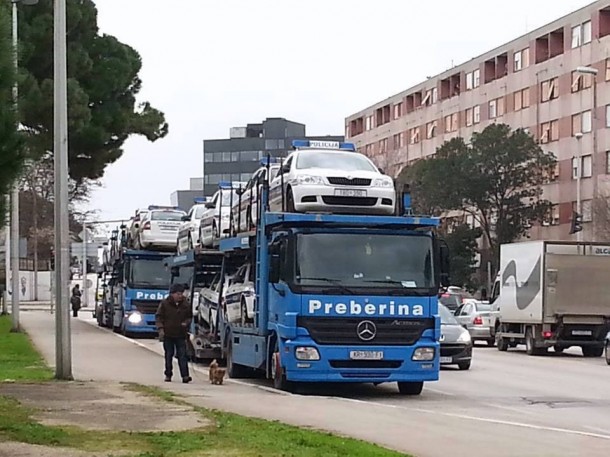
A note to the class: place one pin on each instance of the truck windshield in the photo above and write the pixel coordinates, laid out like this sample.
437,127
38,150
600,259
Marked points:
148,273
363,260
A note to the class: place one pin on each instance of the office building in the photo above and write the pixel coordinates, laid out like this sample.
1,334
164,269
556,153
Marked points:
237,157
554,82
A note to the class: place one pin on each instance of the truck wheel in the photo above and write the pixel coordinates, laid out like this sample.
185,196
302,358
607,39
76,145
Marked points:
502,343
530,344
410,388
607,350
592,351
558,349
234,370
277,372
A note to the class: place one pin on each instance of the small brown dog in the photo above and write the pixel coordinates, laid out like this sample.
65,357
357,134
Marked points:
217,374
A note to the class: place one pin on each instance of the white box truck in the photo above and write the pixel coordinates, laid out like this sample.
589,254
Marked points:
553,294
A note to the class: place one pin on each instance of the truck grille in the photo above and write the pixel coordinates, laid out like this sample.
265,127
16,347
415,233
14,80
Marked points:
365,364
145,306
342,331
349,182
349,201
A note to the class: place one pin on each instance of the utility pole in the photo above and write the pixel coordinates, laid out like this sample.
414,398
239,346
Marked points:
63,349
84,266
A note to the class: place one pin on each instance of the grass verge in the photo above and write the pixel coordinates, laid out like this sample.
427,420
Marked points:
230,435
19,361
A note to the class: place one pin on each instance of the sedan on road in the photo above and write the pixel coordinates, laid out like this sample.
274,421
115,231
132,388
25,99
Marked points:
456,344
477,318
319,179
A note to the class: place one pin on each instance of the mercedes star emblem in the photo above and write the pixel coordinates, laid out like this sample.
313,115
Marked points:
366,330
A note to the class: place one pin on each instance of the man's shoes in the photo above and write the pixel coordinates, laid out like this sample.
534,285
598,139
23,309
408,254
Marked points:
168,379
187,380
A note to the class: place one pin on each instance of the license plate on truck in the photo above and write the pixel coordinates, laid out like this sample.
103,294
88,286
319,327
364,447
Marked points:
446,359
350,192
366,355
582,332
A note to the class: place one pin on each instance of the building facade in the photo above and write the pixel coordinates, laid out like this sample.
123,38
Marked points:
554,82
237,157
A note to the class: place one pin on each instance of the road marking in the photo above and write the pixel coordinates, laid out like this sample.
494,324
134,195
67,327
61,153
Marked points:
604,435
485,420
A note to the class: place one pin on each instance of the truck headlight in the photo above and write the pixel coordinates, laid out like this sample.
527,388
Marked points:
464,337
423,354
383,182
310,180
306,353
135,318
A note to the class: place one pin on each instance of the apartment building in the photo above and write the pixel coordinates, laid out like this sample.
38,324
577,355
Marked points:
554,82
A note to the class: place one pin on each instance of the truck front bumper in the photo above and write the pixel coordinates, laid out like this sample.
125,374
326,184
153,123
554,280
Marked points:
336,364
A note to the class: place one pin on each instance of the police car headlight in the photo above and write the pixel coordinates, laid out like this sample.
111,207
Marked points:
383,182
423,354
464,337
310,180
306,353
135,318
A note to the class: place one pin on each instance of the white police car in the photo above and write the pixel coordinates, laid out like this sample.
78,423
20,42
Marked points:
159,229
245,209
328,176
188,233
216,219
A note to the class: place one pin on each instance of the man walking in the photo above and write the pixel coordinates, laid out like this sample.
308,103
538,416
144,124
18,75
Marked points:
174,316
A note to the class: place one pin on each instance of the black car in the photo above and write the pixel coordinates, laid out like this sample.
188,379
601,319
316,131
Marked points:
456,345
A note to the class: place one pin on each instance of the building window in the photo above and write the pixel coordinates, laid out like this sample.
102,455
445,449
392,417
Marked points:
581,81
581,34
552,175
469,117
521,59
473,79
430,97
451,123
493,109
549,131
608,162
607,69
552,217
383,146
399,140
414,135
581,122
431,129
476,114
369,123
397,110
434,95
586,163
522,99
549,90
607,115
208,157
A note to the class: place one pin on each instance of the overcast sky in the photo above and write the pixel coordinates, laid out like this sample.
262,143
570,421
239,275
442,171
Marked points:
212,65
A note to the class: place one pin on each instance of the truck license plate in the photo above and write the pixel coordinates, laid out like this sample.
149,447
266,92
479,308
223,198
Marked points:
350,192
366,355
446,360
582,332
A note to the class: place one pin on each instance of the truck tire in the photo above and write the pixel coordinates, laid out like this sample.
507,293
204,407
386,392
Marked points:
410,388
592,351
607,351
234,370
530,344
502,343
277,371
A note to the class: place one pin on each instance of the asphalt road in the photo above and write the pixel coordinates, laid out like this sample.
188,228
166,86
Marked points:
508,404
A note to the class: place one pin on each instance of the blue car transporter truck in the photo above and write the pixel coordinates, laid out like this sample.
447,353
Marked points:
337,298
138,281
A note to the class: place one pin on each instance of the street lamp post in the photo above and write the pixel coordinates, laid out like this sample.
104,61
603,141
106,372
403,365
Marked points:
63,343
578,137
14,227
593,72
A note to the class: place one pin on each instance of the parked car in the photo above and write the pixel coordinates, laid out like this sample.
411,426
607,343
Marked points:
607,348
476,317
245,209
240,296
321,179
159,229
456,343
188,233
216,218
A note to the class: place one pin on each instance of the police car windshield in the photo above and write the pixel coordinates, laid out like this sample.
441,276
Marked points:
148,274
166,215
226,197
199,212
371,261
335,160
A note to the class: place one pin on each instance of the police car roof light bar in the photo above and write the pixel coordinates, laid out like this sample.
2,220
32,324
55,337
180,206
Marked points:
158,207
270,161
198,200
320,144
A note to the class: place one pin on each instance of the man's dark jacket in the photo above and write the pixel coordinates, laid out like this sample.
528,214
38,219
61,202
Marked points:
171,316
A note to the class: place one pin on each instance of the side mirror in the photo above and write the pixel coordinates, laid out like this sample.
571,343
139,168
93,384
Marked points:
210,205
445,264
381,171
274,264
